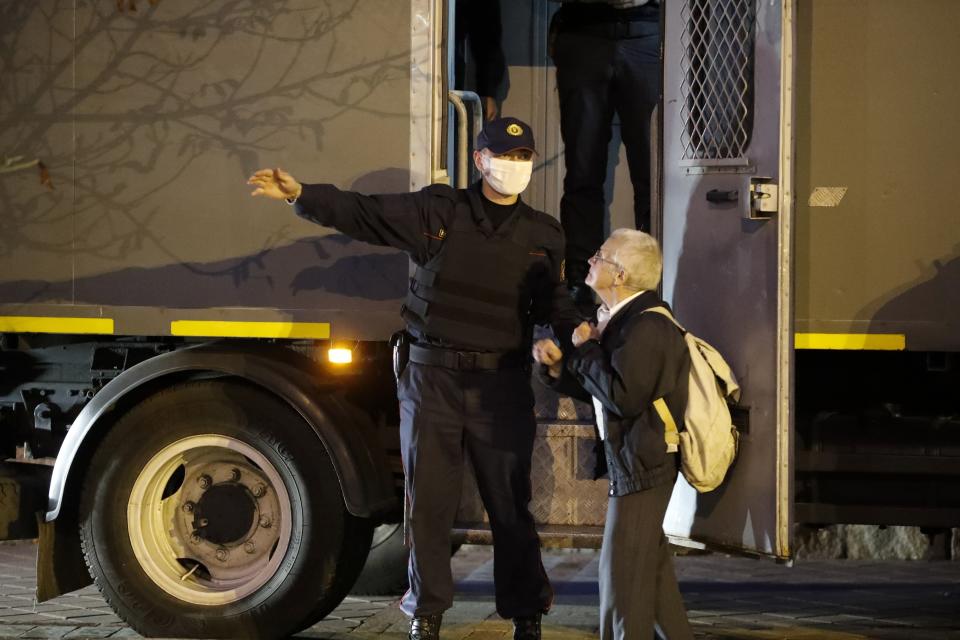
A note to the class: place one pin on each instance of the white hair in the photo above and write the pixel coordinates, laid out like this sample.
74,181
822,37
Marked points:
639,255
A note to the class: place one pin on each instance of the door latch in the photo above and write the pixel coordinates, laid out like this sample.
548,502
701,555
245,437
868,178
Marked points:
716,196
764,198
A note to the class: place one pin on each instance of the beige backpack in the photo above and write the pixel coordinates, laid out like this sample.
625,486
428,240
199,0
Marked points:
708,443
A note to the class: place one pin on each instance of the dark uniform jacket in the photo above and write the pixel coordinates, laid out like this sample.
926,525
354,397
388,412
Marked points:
475,287
640,357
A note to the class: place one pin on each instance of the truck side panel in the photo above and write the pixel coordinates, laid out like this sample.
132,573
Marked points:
149,122
877,243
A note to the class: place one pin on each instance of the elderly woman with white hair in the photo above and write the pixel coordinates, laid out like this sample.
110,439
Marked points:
623,363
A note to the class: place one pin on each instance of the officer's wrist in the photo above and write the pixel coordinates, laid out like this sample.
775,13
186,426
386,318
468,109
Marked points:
297,195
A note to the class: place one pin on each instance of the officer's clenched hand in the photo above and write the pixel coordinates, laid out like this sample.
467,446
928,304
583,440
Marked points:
276,184
584,332
548,353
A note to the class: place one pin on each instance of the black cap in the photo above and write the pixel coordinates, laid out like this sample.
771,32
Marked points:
506,134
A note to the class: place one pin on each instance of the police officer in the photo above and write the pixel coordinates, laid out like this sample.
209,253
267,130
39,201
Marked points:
607,54
488,267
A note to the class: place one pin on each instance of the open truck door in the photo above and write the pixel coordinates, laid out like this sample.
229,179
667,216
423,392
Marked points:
725,229
724,199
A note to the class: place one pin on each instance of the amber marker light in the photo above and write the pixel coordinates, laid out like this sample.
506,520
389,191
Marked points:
340,356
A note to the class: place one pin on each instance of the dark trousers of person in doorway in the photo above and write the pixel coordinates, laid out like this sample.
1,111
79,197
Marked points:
638,586
605,65
447,415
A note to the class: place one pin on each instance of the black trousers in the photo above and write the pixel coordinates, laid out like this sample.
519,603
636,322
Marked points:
446,416
603,69
637,583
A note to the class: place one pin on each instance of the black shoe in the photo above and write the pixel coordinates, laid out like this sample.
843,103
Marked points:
583,300
426,628
526,628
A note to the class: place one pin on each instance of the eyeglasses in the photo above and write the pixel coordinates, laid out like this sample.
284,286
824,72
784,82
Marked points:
598,257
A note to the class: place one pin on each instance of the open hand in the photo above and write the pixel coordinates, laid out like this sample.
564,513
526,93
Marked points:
548,353
276,184
585,331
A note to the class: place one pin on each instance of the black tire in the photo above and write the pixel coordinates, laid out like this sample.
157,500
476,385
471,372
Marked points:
385,572
291,576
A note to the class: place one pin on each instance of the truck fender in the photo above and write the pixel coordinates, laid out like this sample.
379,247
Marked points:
360,465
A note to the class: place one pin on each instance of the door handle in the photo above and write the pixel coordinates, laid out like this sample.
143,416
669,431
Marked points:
717,196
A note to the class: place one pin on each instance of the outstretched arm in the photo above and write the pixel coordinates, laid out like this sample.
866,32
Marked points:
406,221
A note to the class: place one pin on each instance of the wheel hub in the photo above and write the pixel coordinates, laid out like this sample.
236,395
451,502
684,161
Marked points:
225,514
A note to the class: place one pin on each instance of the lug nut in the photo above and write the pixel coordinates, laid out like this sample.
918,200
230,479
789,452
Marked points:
203,522
188,507
235,475
195,539
249,547
265,522
260,490
222,554
205,481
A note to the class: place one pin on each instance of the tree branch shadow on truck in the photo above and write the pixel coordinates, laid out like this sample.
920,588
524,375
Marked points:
134,108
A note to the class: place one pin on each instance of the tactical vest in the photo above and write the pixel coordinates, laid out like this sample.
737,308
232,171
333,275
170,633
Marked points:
476,292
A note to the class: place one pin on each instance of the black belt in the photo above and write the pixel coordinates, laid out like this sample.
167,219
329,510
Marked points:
467,360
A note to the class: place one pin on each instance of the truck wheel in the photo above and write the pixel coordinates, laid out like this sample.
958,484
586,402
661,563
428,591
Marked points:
212,510
385,572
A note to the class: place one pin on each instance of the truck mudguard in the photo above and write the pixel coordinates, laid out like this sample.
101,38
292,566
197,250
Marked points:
347,435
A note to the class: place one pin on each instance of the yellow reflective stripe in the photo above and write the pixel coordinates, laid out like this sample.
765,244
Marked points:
670,433
228,329
865,341
44,324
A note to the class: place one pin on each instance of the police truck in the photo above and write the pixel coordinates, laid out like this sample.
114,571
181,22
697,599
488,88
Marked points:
197,410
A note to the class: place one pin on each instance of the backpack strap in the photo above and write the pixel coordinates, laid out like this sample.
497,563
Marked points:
670,433
665,313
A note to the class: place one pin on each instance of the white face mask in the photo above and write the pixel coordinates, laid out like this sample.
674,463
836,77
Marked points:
509,177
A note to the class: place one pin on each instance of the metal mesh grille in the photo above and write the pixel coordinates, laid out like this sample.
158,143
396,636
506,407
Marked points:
564,491
717,84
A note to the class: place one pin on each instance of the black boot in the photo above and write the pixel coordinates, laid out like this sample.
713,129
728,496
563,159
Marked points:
426,627
526,628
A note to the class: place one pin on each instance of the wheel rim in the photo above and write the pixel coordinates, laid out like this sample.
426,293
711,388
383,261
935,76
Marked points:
209,519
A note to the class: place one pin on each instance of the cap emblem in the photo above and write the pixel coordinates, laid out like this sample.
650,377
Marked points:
515,130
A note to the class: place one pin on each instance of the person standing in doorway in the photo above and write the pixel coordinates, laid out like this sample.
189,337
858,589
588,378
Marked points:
478,25
607,55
